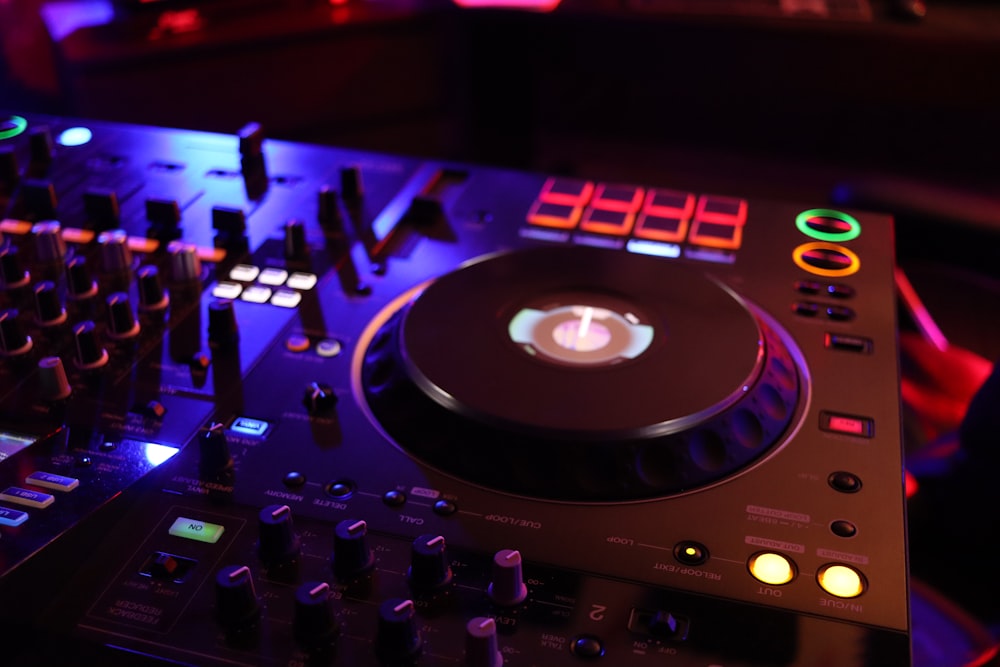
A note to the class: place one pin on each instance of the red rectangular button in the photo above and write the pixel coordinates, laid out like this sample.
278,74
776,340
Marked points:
847,424
568,191
604,221
627,198
670,229
669,203
561,216
716,235
724,210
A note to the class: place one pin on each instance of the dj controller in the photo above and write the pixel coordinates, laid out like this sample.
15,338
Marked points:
269,403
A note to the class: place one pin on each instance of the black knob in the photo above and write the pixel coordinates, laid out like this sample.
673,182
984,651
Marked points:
329,209
507,588
398,638
251,138
314,625
40,149
236,605
116,255
481,646
213,453
13,340
151,294
122,324
79,282
10,174
12,273
319,397
48,305
351,555
352,188
296,247
252,163
222,328
39,199
52,382
185,264
102,209
89,353
278,543
49,245
430,566
163,213
424,211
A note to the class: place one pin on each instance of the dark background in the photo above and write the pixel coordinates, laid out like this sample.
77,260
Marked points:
883,111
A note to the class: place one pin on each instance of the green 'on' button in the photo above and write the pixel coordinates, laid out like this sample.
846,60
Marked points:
192,529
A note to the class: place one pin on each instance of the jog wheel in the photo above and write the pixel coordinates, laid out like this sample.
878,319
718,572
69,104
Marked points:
574,373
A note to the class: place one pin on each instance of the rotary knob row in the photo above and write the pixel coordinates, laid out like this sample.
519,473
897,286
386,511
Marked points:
353,558
114,255
398,639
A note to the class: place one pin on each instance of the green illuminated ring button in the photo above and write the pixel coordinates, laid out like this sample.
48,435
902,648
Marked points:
824,224
200,531
11,127
826,259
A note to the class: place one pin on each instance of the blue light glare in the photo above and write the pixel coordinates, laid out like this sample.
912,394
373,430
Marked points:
75,136
654,248
157,454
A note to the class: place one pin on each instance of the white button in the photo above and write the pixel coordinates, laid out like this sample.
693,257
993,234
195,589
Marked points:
328,347
244,273
302,281
273,277
227,290
286,298
256,294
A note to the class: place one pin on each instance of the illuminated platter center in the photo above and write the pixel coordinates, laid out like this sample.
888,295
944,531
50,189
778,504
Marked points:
580,335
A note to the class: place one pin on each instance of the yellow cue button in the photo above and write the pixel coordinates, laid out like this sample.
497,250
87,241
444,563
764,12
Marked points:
771,568
841,581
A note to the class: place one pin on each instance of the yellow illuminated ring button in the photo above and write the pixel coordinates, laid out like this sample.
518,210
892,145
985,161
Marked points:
826,259
841,581
771,568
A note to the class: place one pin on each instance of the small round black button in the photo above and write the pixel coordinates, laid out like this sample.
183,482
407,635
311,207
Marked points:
341,489
294,480
805,308
845,482
839,313
587,646
807,286
394,498
843,528
445,507
840,291
690,552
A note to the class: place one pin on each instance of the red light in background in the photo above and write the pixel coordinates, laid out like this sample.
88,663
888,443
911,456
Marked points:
527,5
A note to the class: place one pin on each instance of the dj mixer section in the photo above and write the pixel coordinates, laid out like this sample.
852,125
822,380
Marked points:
267,403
